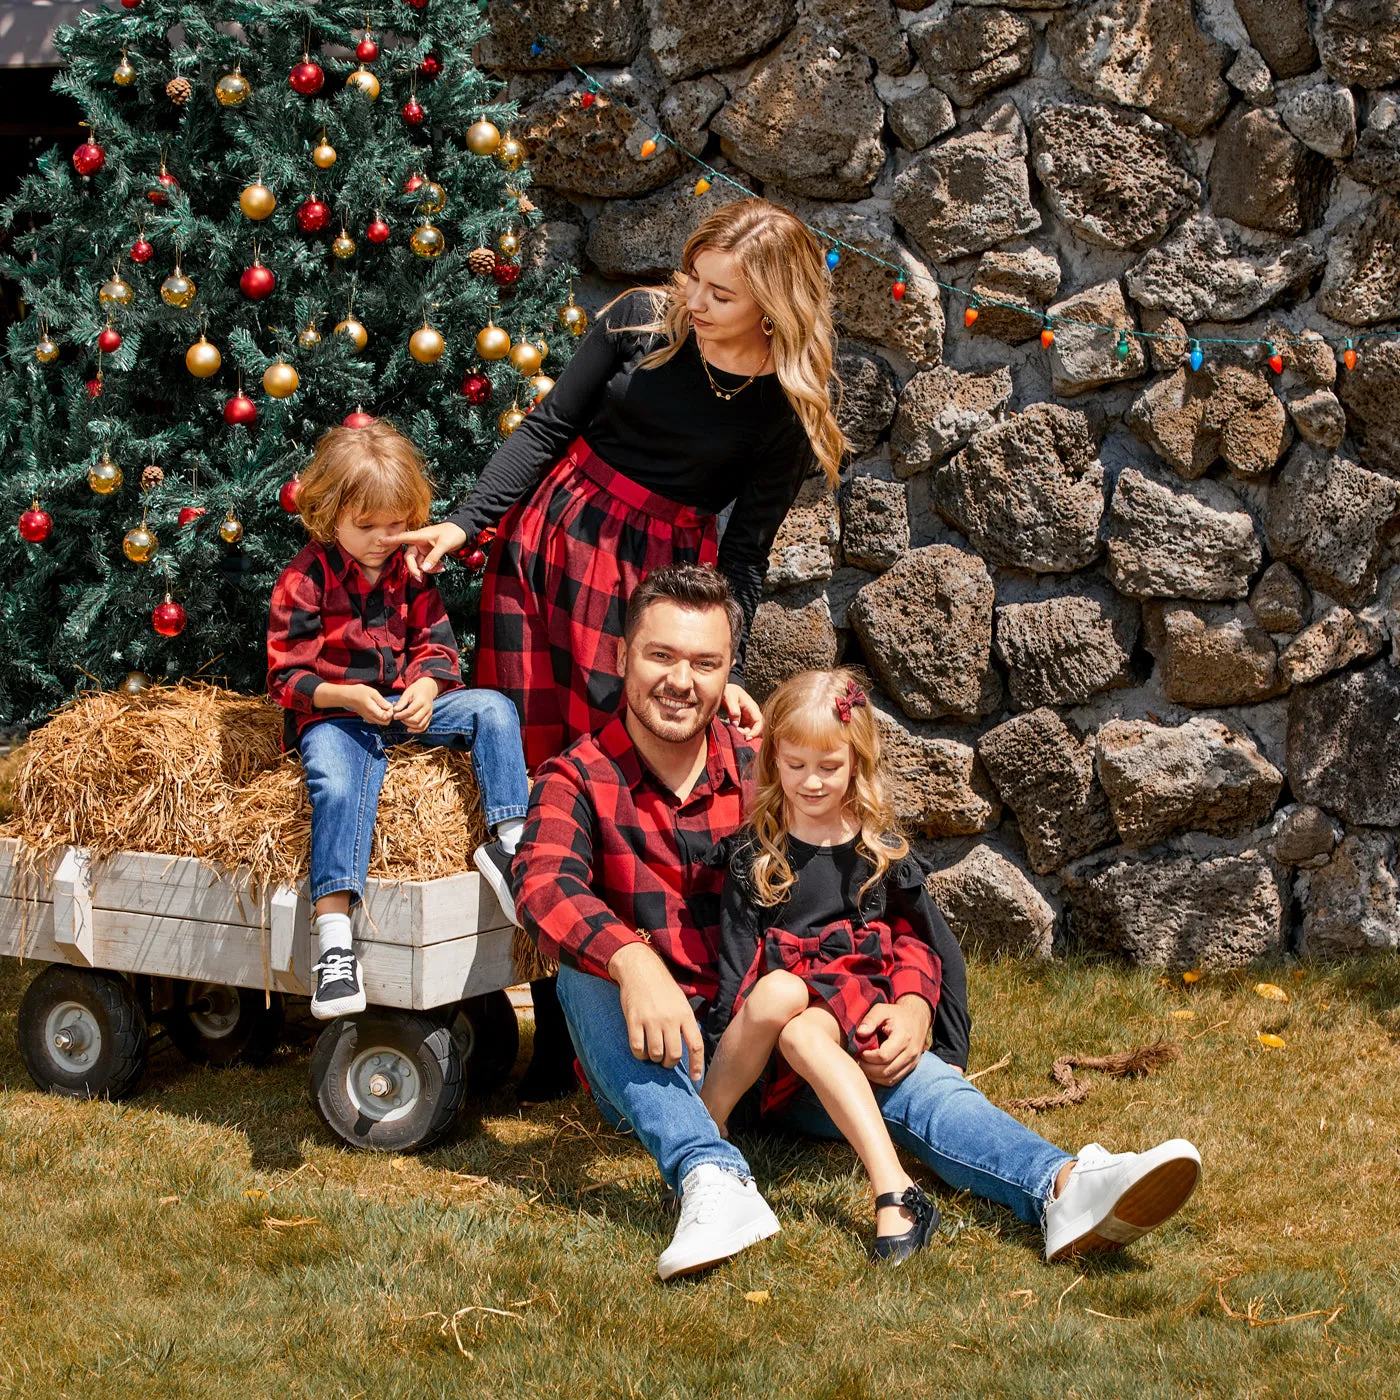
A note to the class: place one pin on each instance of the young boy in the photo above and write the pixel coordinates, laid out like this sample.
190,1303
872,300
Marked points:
361,657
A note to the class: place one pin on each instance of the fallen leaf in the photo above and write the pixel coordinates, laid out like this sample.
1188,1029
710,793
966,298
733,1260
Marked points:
167,1200
1299,973
1184,1015
256,1193
1271,1041
1270,992
1192,976
757,1295
401,1164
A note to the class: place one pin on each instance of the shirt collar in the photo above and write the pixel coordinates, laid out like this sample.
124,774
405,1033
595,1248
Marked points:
721,764
342,566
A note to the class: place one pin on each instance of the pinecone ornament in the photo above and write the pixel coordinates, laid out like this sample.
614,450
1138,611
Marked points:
481,261
151,476
178,90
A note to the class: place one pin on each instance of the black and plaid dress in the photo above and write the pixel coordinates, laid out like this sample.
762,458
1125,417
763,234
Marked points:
616,472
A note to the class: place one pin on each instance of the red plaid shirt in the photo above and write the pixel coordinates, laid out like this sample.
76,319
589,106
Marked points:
329,623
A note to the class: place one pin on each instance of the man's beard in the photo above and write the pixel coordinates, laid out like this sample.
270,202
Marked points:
654,720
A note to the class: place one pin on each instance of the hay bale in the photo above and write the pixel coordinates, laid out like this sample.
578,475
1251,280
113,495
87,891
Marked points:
10,765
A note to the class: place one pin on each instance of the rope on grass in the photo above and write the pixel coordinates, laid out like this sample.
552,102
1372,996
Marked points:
1142,1060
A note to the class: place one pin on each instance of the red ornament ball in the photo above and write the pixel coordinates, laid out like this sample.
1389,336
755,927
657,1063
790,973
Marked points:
413,112
366,50
417,4
358,419
35,524
485,536
287,496
307,78
414,182
378,231
476,388
165,185
240,409
475,561
94,388
431,66
168,618
89,158
108,340
257,282
189,514
141,251
507,274
313,214
130,4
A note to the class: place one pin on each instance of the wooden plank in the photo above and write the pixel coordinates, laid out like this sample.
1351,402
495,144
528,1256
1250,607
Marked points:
464,967
26,931
287,909
428,911
72,903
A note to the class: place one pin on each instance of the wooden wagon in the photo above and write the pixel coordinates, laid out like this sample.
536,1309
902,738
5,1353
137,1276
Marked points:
141,938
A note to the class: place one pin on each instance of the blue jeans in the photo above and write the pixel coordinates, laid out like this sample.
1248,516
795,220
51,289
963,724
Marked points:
344,760
933,1112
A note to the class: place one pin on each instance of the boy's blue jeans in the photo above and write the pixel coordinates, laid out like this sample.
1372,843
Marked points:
345,758
933,1112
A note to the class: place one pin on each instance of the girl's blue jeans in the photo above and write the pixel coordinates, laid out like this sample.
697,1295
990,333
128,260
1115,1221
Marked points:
345,758
933,1112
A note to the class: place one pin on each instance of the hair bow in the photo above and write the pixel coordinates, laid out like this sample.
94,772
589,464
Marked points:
846,703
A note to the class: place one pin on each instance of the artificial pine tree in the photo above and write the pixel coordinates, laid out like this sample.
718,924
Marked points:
285,212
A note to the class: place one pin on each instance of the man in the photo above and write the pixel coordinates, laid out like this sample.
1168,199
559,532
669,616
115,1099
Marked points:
610,881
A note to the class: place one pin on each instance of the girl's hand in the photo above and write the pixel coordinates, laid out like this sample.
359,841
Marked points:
415,706
423,549
368,703
743,711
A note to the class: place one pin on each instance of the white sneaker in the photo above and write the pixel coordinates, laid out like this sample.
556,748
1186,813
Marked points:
1111,1198
720,1215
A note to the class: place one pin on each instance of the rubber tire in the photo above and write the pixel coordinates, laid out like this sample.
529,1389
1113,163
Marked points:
113,1003
254,1038
422,1039
488,1035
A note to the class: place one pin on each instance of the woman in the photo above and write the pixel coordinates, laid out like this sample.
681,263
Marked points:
682,400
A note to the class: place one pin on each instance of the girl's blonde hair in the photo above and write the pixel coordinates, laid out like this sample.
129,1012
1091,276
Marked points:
803,711
363,471
786,274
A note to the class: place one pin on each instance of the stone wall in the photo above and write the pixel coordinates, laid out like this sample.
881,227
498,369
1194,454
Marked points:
1134,625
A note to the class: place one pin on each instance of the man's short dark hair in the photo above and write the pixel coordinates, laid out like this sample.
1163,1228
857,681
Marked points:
688,586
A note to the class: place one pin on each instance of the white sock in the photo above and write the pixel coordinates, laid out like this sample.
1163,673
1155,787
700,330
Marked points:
509,834
332,931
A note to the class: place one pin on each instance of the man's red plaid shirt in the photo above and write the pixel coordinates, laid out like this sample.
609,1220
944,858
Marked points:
329,623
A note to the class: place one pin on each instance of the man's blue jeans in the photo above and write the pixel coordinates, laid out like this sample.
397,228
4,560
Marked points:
933,1112
345,758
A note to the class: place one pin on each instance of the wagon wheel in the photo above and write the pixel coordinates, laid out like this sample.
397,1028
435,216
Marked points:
488,1036
214,1024
387,1080
82,1032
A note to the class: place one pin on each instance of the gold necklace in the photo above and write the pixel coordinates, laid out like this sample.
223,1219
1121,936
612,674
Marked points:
727,394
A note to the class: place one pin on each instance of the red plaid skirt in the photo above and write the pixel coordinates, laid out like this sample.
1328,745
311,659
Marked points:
846,969
555,592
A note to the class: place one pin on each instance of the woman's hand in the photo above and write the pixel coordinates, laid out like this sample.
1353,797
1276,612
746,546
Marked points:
743,711
423,549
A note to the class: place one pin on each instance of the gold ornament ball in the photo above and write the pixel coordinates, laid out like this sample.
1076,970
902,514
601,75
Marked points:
364,82
46,352
426,345
354,332
427,241
139,544
343,246
483,138
324,155
509,421
492,343
433,197
280,380
116,293
542,345
231,531
509,244
573,318
177,290
542,384
203,359
257,201
233,90
309,338
104,476
525,356
135,683
510,153
124,74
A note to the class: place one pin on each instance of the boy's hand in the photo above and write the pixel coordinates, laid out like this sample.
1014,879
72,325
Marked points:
368,703
415,705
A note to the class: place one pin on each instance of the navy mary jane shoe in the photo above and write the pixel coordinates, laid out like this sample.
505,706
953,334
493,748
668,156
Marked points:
895,1249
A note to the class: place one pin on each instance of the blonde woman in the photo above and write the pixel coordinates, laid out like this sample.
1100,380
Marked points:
681,400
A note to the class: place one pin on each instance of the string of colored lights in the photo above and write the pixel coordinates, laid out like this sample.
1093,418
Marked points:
976,300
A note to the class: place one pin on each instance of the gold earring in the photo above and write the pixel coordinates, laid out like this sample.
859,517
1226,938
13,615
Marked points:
767,324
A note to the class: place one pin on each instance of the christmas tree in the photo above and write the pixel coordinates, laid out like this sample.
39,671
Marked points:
283,214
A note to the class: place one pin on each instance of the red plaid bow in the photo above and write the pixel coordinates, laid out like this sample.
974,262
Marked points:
845,703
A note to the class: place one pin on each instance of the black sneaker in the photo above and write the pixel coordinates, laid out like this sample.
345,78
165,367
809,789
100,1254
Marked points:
338,989
494,863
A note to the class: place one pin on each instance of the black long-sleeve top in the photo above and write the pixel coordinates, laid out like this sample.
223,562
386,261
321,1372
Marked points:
667,430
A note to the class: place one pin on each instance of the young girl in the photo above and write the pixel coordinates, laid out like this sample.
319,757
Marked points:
824,919
362,656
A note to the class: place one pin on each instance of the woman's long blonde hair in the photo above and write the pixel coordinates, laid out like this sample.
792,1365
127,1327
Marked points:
804,711
786,273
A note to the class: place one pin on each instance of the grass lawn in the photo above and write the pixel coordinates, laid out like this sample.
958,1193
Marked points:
206,1239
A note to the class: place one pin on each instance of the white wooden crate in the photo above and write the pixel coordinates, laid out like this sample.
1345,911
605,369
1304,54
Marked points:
420,944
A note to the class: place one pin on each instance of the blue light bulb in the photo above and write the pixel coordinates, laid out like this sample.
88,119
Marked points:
832,258
1197,357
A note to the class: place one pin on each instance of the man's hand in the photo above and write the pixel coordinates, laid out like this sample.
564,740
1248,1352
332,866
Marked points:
423,549
742,711
365,701
415,706
905,1025
660,1022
